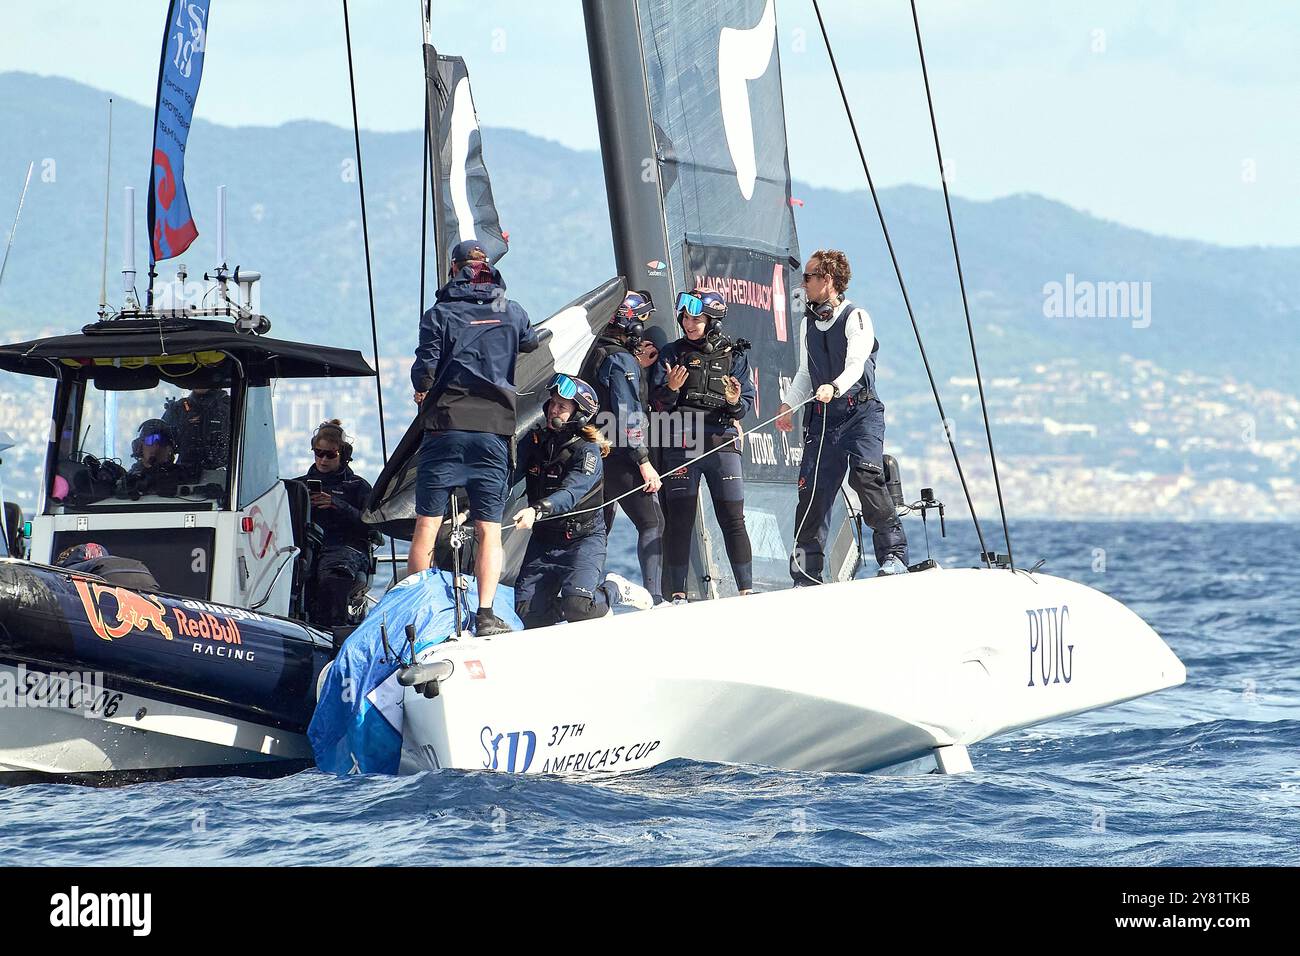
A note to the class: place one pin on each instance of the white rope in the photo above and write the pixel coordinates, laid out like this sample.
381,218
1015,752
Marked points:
796,561
642,486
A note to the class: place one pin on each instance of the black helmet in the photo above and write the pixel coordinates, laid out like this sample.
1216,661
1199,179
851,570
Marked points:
631,315
704,302
577,391
155,431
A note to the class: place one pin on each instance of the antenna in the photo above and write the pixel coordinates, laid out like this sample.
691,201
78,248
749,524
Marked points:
129,300
17,215
108,176
221,229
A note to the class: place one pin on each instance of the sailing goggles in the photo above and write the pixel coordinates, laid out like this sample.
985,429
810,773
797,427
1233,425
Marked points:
563,385
691,304
157,438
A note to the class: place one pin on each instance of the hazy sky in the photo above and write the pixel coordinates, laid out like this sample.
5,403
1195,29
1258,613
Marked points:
1175,117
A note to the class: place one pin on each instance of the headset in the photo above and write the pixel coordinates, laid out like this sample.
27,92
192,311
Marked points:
332,431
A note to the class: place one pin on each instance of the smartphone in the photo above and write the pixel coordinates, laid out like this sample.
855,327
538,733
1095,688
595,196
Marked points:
314,485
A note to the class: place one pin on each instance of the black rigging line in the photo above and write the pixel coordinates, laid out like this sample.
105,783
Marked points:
365,237
961,281
898,272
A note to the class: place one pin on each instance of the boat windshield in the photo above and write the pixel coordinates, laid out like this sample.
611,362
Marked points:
149,448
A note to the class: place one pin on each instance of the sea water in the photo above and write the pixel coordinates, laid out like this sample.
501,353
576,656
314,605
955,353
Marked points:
1206,773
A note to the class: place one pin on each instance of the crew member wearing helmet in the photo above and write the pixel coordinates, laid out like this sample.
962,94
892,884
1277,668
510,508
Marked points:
563,572
156,471
620,384
837,362
154,447
343,564
200,425
708,385
464,379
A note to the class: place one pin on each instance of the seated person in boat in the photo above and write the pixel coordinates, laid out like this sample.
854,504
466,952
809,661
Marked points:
338,498
200,423
706,383
464,381
154,447
563,572
844,428
156,471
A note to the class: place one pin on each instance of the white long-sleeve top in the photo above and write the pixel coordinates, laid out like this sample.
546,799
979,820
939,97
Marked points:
861,339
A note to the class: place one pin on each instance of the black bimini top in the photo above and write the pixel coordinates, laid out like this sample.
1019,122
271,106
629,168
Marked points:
115,344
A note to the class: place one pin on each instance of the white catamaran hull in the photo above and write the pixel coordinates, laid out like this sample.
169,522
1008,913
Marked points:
71,730
846,677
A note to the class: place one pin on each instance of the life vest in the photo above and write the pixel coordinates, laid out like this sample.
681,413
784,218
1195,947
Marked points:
603,349
706,373
547,463
827,353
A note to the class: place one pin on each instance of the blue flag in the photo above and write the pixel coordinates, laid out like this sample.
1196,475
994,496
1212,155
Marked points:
171,225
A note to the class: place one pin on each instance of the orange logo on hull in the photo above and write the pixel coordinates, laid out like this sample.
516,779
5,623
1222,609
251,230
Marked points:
135,611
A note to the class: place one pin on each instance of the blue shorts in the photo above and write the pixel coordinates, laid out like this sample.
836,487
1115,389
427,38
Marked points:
479,462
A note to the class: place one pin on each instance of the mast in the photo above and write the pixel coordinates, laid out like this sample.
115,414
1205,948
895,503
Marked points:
629,152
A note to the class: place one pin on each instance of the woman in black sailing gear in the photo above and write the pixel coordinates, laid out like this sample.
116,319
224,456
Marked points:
340,575
620,384
563,572
707,382
845,428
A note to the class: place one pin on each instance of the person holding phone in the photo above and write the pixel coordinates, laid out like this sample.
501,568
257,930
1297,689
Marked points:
338,497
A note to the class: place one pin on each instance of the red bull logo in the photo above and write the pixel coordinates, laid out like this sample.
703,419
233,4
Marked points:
127,611
207,626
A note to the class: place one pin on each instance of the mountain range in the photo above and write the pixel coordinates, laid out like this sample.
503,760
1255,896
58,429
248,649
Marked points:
1036,271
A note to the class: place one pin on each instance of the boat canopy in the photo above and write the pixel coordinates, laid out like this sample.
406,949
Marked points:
104,348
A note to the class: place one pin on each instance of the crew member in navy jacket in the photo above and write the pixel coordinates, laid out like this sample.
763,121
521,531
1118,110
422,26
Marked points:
613,369
464,379
706,383
845,427
563,572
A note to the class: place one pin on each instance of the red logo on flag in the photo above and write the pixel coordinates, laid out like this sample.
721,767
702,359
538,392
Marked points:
475,670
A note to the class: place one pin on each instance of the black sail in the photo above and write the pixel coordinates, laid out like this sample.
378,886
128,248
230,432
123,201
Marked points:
692,123
468,211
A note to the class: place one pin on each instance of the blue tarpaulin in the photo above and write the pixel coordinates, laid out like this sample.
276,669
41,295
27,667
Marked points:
348,732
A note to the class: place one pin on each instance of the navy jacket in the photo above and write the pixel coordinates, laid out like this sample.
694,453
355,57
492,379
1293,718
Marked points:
342,524
619,376
466,358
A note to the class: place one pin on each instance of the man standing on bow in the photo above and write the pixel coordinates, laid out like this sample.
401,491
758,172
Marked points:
464,379
845,426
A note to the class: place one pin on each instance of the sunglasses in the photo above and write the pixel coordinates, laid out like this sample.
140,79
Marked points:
156,439
812,275
329,454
